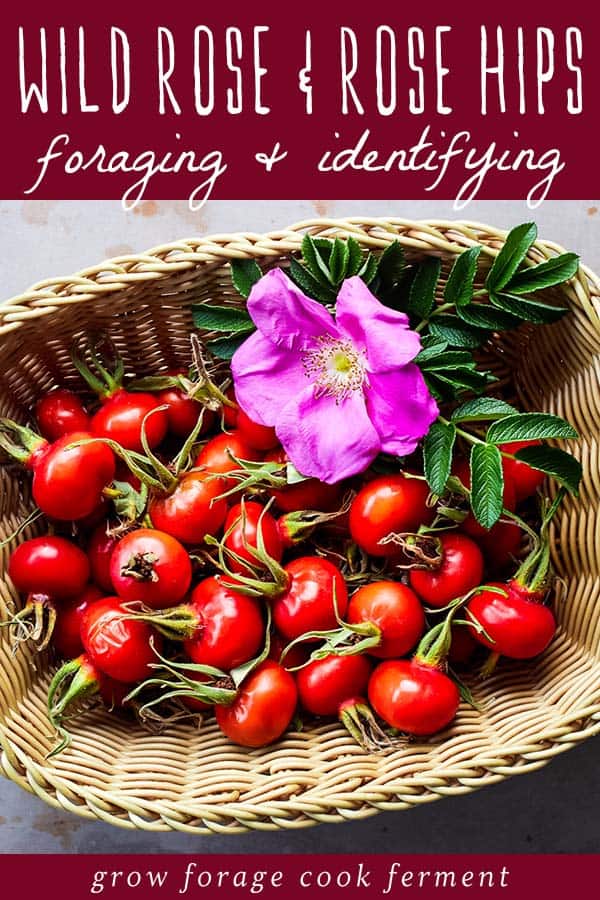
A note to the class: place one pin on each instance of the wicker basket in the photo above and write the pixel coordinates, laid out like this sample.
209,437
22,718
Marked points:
194,780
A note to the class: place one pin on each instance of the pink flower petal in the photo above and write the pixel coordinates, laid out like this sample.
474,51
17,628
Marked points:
327,440
266,377
284,314
401,408
382,332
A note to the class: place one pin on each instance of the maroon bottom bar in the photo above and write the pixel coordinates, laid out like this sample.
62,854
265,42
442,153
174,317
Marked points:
225,877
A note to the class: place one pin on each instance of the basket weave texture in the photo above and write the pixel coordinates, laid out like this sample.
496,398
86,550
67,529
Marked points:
195,780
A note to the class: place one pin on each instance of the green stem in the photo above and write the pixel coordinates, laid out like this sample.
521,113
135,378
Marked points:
464,434
442,308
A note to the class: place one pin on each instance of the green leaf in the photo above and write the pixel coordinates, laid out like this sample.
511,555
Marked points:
430,340
391,265
455,332
369,269
355,257
232,319
529,427
431,348
483,316
468,379
554,462
421,299
547,274
482,408
324,246
487,484
313,288
437,455
315,263
529,310
244,274
515,249
224,348
440,390
338,262
459,287
452,359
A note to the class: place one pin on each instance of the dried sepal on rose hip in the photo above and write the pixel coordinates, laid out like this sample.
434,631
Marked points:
416,696
150,567
122,412
49,571
69,475
512,616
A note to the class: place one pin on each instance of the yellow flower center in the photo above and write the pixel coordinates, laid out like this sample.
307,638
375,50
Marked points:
335,366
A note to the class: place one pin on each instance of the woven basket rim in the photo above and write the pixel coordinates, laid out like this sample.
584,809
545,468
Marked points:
111,276
189,252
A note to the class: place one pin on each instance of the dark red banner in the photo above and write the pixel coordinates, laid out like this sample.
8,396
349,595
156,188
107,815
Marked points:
341,877
289,101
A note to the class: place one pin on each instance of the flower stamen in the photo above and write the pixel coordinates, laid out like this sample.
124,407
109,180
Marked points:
335,366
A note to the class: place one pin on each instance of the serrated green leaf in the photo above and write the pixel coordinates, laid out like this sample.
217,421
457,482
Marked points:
437,455
315,263
230,319
391,265
467,379
421,298
516,246
324,247
338,262
455,332
244,274
452,384
529,427
355,257
459,287
487,484
431,348
439,391
529,310
451,359
369,269
482,408
431,340
547,274
313,288
488,317
554,462
224,348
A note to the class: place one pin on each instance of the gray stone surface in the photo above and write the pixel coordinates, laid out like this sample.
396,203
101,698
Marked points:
556,809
